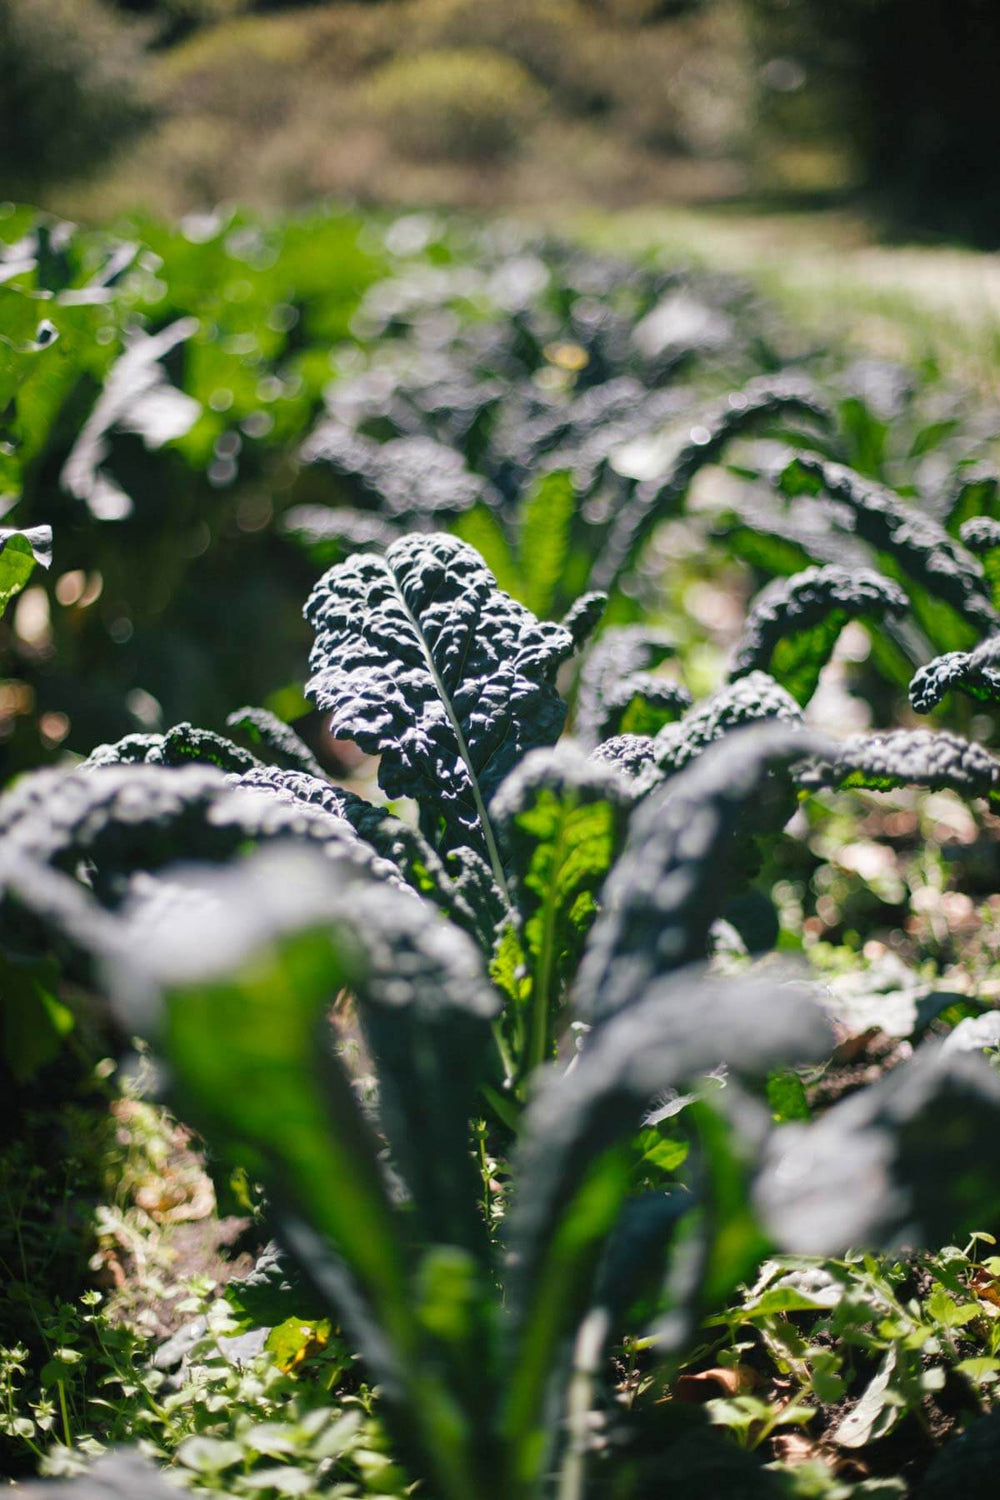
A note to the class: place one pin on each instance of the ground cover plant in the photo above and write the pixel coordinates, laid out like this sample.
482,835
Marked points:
606,1057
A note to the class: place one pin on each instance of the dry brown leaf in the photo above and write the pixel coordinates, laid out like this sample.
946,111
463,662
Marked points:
794,1448
722,1380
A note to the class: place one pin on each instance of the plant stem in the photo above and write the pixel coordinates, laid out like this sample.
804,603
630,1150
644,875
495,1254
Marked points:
67,1434
590,1340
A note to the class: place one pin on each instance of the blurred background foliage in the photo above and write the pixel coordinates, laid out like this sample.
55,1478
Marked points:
178,104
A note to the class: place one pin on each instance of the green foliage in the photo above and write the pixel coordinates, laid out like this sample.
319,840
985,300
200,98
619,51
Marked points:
470,1043
19,552
793,625
560,821
474,676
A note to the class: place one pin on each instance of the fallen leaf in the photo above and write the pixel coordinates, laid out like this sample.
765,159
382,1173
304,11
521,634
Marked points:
723,1380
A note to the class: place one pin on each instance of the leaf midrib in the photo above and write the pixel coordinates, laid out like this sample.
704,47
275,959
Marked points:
477,796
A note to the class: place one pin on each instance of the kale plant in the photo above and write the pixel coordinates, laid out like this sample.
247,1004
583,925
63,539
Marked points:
530,977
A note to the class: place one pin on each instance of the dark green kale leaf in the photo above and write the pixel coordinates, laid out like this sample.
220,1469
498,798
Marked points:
689,845
750,700
416,478
124,818
947,590
906,757
976,493
794,623
631,754
406,848
278,740
571,1185
581,619
619,693
260,949
180,746
133,750
904,1162
421,659
981,535
184,744
976,672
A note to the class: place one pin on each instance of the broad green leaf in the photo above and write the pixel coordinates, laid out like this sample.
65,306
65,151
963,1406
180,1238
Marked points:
786,1097
257,960
19,552
481,529
560,819
690,843
546,520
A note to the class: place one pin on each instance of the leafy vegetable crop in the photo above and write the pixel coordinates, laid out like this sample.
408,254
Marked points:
587,1121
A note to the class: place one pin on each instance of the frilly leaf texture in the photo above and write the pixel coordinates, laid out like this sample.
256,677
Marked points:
277,740
182,745
976,672
631,754
914,543
409,477
794,623
907,757
126,818
421,659
407,850
750,700
583,617
980,534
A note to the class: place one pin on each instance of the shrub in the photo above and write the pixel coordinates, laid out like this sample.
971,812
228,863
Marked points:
551,39
68,90
473,104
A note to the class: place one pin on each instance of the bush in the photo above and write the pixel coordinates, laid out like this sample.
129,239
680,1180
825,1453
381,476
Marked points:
551,39
473,105
68,90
